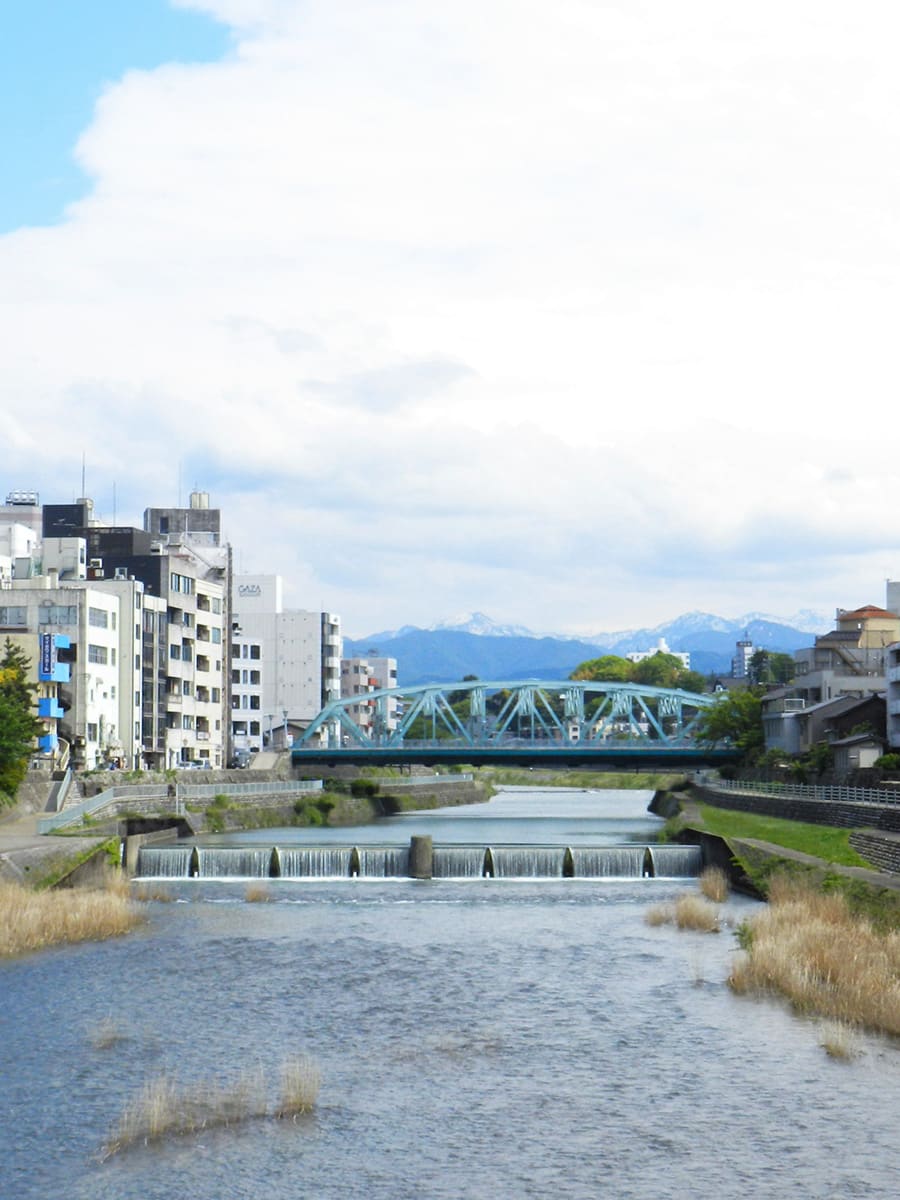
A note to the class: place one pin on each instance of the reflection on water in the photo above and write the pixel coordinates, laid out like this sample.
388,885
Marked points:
533,816
475,1040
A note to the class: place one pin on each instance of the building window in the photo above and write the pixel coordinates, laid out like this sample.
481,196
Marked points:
216,634
255,652
98,617
14,616
58,614
91,731
98,654
254,701
174,651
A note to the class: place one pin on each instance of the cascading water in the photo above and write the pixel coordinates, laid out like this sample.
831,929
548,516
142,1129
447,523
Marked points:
608,862
383,862
163,862
234,862
528,862
676,861
458,862
315,862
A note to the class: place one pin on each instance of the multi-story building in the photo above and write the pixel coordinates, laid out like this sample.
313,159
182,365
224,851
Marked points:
740,663
180,627
300,653
362,676
661,647
86,712
248,731
850,660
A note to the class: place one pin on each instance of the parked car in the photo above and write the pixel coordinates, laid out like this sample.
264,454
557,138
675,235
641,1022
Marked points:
240,759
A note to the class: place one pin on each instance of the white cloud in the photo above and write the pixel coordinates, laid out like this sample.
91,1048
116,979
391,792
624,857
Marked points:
576,314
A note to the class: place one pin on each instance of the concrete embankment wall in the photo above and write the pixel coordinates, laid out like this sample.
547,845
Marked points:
876,828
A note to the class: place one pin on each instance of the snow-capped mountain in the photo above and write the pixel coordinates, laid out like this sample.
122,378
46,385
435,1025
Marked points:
476,644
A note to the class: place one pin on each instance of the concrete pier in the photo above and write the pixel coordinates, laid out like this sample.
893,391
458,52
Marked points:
421,857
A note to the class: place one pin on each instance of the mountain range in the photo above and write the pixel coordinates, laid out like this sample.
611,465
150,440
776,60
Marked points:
473,644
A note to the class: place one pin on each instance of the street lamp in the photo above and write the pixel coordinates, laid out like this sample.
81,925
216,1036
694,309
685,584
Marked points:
284,714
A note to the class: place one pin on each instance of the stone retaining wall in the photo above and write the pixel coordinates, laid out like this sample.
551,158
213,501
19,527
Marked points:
815,812
882,850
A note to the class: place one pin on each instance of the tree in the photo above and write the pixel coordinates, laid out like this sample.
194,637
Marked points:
608,668
770,667
735,718
19,725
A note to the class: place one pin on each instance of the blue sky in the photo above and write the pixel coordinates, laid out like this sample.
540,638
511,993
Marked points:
580,315
56,57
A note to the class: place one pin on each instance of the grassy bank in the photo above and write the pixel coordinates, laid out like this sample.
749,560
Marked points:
32,920
599,780
829,843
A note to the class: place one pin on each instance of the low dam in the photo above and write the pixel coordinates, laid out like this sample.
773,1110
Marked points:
419,861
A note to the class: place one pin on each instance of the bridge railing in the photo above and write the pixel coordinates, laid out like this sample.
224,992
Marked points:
830,793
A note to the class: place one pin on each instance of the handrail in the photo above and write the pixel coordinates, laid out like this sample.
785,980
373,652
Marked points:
829,793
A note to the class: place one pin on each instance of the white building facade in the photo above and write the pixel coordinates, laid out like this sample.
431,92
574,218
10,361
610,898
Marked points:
300,654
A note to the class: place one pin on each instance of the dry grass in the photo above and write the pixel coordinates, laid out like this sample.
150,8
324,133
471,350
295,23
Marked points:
687,911
34,920
808,947
300,1081
257,893
145,892
714,884
163,1110
838,1041
106,1034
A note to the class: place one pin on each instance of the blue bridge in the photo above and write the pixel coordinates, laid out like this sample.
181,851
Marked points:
525,722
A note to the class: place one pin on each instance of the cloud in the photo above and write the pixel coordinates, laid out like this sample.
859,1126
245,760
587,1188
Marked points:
577,314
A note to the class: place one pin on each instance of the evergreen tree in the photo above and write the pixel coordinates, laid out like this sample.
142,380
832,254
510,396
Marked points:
19,725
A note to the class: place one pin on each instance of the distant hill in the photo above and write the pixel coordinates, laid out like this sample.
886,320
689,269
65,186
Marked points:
477,646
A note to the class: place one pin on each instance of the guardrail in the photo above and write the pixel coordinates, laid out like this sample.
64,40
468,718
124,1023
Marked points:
421,780
76,812
183,791
831,793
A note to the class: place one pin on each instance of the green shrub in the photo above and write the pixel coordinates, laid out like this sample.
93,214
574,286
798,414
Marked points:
365,787
888,762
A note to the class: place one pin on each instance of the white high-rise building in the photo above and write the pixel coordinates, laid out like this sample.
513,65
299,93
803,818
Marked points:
299,655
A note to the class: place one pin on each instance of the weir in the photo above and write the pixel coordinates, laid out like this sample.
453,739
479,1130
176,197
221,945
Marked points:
398,862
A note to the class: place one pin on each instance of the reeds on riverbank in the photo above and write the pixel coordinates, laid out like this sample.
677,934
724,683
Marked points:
807,946
34,920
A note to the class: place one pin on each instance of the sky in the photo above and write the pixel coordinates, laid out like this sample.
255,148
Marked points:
582,315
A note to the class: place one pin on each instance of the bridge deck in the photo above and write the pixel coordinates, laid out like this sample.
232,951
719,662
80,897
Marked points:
624,758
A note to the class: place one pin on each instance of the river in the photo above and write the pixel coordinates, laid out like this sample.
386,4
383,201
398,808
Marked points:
476,1038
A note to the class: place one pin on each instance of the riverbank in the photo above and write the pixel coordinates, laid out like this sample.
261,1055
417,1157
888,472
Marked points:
754,850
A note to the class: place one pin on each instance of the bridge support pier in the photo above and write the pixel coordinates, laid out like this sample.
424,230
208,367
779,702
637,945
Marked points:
421,857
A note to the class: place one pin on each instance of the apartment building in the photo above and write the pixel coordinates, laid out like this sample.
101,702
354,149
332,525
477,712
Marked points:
81,627
362,676
179,634
300,653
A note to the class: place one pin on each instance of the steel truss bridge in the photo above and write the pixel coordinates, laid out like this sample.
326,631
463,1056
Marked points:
525,722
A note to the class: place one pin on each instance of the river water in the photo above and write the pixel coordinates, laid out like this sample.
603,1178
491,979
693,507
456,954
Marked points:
476,1038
